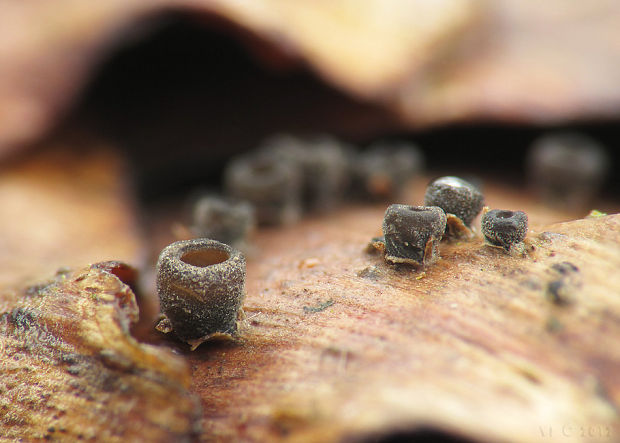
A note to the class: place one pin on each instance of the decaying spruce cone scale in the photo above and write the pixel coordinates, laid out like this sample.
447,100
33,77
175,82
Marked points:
201,287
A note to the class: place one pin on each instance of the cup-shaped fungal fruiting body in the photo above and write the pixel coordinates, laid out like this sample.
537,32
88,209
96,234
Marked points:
382,171
323,162
285,148
567,169
223,220
201,287
326,173
271,184
412,233
455,196
504,228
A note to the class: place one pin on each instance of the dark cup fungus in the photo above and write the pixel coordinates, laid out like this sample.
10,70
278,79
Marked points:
323,162
326,173
272,185
504,228
455,196
412,233
201,287
223,220
382,171
567,169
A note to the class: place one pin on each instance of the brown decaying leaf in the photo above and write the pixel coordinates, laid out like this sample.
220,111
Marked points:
71,370
47,51
336,343
433,61
473,346
532,61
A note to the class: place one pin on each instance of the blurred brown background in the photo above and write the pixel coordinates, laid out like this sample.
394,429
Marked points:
181,85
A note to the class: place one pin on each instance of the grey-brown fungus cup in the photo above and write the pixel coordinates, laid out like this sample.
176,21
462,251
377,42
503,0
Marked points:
382,171
201,287
504,228
272,184
222,219
455,196
412,233
567,169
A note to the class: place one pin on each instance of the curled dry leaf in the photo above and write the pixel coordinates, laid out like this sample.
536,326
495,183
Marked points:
476,346
475,349
365,47
70,368
432,61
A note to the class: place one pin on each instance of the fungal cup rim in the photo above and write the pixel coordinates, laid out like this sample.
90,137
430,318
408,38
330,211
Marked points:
204,257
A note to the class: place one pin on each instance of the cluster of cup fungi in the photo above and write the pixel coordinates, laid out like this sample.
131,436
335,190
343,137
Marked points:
287,176
411,234
201,282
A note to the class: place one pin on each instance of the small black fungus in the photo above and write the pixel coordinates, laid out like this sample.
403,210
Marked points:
201,287
562,290
323,163
455,196
564,268
412,233
326,173
222,220
567,169
559,293
504,228
382,171
272,185
285,147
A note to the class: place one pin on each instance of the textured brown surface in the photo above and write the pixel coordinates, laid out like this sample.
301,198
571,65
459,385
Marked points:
338,344
71,370
433,61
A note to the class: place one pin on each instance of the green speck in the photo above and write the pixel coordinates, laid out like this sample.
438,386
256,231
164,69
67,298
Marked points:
595,213
320,307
